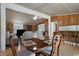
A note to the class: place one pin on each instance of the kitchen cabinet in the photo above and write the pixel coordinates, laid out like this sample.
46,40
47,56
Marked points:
77,19
73,19
9,27
66,20
60,20
31,28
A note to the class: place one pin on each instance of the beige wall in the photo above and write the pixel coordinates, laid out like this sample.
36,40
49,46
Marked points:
0,31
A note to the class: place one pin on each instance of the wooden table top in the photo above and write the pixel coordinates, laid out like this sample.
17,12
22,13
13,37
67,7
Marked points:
40,44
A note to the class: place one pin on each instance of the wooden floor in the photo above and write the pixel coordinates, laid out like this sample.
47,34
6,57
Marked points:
8,52
65,50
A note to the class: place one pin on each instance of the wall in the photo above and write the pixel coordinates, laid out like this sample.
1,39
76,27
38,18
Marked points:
3,27
66,20
45,21
69,26
10,25
0,30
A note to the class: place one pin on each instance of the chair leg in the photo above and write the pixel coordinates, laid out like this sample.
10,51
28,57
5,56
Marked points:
37,53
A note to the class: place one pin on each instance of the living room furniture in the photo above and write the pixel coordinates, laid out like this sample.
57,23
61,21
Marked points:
22,52
29,34
40,44
54,49
14,37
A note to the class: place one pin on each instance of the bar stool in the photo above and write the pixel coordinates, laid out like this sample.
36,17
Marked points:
68,33
76,38
65,36
72,37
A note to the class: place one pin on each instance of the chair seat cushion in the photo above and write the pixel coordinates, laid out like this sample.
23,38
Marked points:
47,50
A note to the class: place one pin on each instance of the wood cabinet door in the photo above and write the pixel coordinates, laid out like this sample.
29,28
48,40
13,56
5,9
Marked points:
73,19
78,19
9,27
29,27
34,28
66,20
54,19
60,20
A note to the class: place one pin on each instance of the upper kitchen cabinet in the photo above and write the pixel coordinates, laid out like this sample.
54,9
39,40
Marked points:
60,20
78,19
9,27
29,27
55,19
73,19
34,28
66,20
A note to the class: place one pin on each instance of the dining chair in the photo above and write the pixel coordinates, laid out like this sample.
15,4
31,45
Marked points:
53,50
23,51
45,34
12,46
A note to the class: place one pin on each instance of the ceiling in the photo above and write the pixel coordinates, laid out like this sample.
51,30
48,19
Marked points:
53,8
25,18
47,8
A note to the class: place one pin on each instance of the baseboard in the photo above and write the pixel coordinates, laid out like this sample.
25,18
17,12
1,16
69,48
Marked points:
73,43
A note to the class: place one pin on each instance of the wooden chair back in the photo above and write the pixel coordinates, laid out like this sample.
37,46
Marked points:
56,44
13,46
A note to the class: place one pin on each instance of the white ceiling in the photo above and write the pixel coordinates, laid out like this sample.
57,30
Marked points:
25,18
47,8
53,8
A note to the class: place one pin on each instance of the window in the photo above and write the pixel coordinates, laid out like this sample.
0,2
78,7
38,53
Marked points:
17,25
41,27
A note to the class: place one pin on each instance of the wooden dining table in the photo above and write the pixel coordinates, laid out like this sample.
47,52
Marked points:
37,47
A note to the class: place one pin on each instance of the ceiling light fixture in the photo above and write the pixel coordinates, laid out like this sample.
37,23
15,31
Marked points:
35,17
